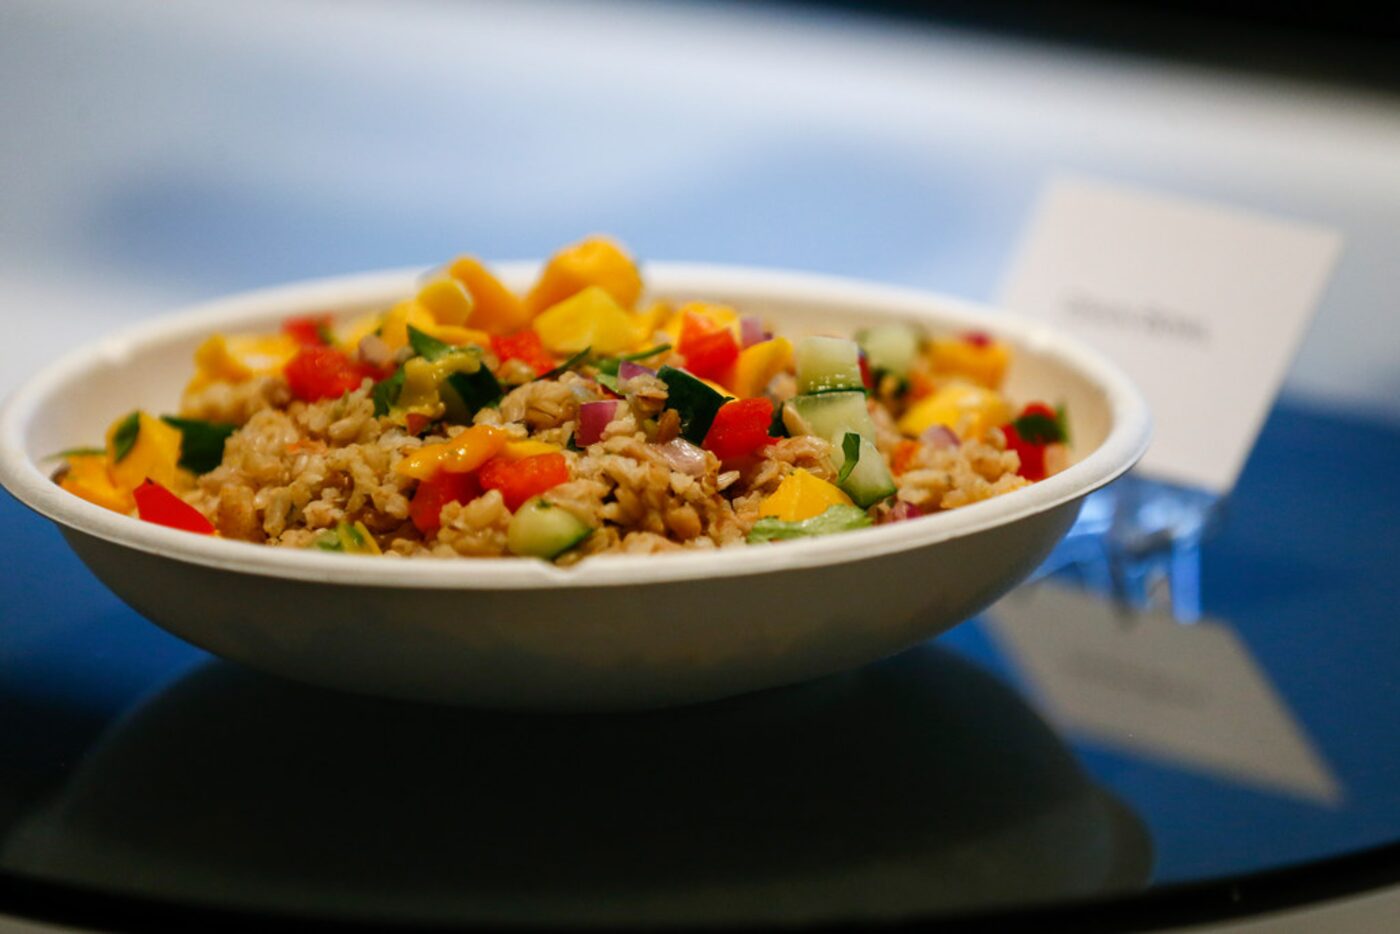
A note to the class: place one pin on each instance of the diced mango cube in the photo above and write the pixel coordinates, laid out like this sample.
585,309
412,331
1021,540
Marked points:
800,496
155,454
515,450
87,477
497,309
595,261
394,330
969,410
713,316
982,361
758,364
591,318
447,300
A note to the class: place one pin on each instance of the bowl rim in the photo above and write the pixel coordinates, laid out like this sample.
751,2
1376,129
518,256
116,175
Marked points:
1127,439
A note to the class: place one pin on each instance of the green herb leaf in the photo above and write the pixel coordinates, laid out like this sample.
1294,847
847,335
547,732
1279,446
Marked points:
567,365
850,447
643,354
1039,428
476,390
77,452
572,445
201,442
124,438
324,334
838,518
427,346
777,428
609,380
1062,422
386,393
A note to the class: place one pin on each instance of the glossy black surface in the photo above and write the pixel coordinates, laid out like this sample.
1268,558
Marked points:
923,786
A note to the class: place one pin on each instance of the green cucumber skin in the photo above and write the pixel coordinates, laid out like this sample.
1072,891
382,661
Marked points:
827,364
540,529
696,403
892,348
870,481
830,415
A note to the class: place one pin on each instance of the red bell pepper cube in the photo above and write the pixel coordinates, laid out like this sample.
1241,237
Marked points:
317,373
309,330
154,503
425,509
519,480
524,346
740,427
709,352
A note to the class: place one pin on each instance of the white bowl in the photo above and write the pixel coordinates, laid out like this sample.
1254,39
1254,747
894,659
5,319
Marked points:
612,632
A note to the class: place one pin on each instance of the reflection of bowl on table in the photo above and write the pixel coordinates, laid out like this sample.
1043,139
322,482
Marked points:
627,631
919,785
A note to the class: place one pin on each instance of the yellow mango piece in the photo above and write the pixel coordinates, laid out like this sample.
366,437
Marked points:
447,300
461,454
983,363
87,477
591,318
596,261
758,364
394,329
969,410
497,309
800,496
717,316
155,454
423,379
654,319
239,357
515,450
459,336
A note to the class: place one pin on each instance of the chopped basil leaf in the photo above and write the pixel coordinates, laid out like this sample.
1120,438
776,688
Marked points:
427,346
201,442
324,334
124,438
475,390
386,392
643,354
567,365
77,452
850,447
778,428
572,445
838,518
1039,428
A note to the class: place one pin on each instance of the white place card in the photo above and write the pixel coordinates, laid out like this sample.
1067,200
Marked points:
1189,695
1203,306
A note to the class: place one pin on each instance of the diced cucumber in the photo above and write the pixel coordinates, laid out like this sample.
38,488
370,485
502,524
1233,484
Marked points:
891,348
540,529
828,364
693,401
870,479
829,415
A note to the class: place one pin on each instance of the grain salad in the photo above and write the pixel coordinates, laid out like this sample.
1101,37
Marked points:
577,419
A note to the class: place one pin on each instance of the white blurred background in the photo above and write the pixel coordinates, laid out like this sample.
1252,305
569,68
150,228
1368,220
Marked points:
156,153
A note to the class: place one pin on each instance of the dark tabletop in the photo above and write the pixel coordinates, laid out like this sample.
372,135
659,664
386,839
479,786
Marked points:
139,776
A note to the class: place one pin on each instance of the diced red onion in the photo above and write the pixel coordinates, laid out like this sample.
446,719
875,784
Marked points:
683,456
751,331
593,417
939,437
902,511
627,369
